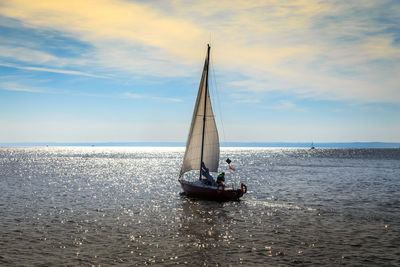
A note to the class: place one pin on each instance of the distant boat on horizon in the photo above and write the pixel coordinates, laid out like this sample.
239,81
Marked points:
312,145
202,150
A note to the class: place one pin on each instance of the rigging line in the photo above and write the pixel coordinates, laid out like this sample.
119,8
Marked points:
218,100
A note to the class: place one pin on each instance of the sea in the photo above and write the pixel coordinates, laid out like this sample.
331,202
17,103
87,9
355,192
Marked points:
113,205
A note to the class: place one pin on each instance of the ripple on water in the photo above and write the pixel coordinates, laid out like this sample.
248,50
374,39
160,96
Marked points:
94,205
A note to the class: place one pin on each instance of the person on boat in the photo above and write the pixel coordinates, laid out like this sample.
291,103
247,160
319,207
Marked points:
206,173
221,178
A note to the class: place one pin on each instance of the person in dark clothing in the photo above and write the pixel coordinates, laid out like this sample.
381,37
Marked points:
221,178
205,172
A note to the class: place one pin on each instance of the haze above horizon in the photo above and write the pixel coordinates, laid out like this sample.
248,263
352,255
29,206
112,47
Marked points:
128,71
352,145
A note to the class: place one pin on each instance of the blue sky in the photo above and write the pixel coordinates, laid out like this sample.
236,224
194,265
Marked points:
128,71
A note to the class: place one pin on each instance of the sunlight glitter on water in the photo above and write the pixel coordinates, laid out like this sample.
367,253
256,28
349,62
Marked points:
114,205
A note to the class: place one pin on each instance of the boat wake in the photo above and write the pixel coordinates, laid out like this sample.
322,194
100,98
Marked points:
287,206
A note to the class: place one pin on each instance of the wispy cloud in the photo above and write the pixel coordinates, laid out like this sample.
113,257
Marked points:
167,99
286,105
68,72
9,86
326,50
142,96
24,54
243,98
136,28
134,96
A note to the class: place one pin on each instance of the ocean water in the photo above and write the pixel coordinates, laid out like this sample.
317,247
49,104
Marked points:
123,205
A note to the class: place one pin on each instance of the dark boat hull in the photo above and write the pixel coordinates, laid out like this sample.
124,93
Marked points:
210,193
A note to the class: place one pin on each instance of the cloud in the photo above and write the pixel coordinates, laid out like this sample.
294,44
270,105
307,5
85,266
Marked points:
245,98
320,49
167,99
141,96
133,96
285,104
26,55
10,86
102,21
68,72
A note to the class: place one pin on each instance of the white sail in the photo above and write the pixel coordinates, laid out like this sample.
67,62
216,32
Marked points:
192,157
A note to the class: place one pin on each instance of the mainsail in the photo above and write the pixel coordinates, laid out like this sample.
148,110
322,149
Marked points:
203,142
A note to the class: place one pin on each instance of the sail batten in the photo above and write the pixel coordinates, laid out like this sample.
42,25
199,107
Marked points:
203,141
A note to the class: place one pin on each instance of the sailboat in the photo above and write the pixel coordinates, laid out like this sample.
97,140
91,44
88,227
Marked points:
312,145
202,150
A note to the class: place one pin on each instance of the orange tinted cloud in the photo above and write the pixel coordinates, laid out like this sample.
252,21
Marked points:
296,44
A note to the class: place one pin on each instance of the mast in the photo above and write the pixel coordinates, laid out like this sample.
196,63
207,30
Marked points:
205,106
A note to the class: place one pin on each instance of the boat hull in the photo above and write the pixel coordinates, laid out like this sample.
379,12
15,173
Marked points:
210,193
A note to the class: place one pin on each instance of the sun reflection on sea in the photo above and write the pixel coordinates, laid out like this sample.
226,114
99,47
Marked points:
122,205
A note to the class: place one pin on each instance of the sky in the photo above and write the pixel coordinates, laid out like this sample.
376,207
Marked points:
129,71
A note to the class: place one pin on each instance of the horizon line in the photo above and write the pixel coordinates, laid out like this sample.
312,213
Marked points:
357,144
